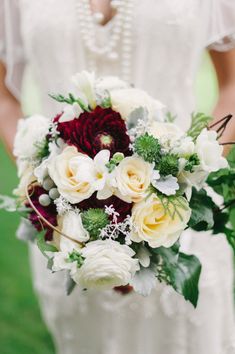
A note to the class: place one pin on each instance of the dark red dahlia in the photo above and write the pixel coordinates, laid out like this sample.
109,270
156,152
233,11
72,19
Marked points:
49,212
100,129
119,205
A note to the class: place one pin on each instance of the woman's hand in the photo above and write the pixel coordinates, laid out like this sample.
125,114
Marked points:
10,112
224,63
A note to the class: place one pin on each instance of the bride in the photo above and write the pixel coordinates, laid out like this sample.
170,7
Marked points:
157,46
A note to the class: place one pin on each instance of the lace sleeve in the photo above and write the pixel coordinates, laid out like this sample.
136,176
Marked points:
11,48
221,27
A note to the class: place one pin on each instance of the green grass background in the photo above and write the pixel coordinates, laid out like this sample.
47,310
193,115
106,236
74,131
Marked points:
21,328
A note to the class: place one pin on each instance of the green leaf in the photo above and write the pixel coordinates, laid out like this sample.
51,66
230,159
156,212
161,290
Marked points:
70,284
202,211
44,246
223,183
69,100
182,270
199,122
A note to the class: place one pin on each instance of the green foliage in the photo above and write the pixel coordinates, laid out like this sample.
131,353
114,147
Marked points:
106,103
44,246
202,211
192,162
43,149
94,220
70,284
169,165
199,122
76,257
114,161
170,117
223,182
173,205
179,270
69,100
148,148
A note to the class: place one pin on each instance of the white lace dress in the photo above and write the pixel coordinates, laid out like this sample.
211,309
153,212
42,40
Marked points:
168,39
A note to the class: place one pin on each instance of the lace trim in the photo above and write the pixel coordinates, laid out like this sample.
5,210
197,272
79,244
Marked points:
223,43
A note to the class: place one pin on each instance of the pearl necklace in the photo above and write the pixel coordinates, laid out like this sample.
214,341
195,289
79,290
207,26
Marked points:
120,37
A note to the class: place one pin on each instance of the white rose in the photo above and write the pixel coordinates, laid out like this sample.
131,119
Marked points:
30,132
107,264
76,175
127,100
133,177
153,223
167,133
85,83
209,151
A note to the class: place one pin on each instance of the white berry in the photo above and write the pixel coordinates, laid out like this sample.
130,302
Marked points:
53,193
48,184
44,200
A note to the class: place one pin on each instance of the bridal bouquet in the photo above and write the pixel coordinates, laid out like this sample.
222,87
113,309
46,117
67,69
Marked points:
108,186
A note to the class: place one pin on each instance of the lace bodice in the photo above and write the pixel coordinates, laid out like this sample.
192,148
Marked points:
168,39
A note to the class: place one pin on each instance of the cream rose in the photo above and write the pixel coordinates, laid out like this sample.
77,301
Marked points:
157,226
133,177
78,176
107,264
209,151
127,100
68,170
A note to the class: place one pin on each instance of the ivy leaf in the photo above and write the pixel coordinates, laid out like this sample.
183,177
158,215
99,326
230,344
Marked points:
199,122
44,246
202,206
182,270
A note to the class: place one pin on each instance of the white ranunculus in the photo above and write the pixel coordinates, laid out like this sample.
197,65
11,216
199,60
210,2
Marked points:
76,175
209,151
110,83
167,133
70,112
153,223
133,177
127,100
30,132
107,264
85,83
